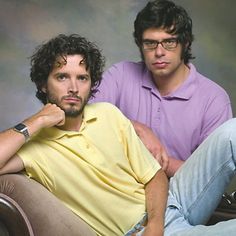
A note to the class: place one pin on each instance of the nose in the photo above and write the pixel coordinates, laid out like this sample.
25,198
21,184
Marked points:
73,86
159,51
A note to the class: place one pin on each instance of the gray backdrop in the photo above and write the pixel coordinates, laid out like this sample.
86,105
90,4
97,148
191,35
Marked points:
27,23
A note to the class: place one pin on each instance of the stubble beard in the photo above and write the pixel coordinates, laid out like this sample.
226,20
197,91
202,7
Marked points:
72,111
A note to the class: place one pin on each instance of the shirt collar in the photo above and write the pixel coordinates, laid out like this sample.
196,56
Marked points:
147,81
185,91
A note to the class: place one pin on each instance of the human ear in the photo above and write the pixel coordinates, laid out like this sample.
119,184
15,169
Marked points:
44,89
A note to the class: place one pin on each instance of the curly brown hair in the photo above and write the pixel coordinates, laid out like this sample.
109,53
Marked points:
45,56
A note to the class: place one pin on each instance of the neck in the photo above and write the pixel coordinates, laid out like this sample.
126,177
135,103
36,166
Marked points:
170,83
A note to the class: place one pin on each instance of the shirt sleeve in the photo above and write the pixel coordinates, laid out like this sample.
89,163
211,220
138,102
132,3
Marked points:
35,163
141,160
109,89
218,111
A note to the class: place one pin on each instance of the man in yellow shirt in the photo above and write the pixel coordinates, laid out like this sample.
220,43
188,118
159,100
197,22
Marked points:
90,157
110,167
87,155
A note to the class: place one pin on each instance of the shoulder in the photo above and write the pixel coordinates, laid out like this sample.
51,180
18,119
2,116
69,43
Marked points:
125,74
106,116
104,109
126,66
102,106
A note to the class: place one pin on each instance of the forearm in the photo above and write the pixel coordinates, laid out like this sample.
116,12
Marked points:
156,198
14,165
173,166
11,141
152,143
137,126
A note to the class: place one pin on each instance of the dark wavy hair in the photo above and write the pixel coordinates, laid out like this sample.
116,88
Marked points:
45,56
168,16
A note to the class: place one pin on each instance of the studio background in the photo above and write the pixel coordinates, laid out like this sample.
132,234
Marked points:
24,24
109,23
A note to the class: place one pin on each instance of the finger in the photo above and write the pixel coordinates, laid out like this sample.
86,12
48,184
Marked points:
61,123
158,158
165,161
62,120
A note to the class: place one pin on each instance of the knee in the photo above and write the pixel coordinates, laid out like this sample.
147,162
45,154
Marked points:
228,129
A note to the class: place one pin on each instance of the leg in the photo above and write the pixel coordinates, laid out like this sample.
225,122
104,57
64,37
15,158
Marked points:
222,228
47,215
12,218
197,187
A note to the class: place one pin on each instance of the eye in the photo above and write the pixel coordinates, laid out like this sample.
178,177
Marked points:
170,42
83,77
149,43
61,77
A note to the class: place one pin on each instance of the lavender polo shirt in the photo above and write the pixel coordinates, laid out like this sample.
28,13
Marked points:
182,120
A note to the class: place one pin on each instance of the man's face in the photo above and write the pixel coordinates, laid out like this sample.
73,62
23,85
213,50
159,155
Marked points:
163,63
69,85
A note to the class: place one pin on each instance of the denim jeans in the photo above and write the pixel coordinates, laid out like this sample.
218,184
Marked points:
138,227
197,187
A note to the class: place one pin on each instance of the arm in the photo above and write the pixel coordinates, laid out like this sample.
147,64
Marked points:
156,191
109,88
152,143
174,165
218,112
11,141
14,165
169,164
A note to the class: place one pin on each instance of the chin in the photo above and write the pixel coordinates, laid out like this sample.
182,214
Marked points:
73,113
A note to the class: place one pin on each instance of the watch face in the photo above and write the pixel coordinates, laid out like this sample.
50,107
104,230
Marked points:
20,126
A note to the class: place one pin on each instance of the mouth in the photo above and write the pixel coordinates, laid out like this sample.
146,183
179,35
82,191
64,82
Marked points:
72,99
160,64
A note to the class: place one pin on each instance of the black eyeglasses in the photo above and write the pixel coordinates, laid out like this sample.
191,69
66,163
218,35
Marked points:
168,44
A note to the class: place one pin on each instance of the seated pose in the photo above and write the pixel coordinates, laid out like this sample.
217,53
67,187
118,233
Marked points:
164,95
90,158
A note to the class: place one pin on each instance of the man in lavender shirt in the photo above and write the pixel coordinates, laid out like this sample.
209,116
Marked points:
172,106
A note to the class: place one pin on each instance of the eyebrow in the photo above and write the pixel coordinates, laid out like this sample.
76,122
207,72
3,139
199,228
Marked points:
85,75
68,74
154,40
61,73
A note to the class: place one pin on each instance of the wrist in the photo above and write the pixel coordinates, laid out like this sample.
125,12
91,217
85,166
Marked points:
34,125
157,227
22,129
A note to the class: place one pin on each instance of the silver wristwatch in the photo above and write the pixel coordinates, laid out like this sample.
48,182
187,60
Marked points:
21,128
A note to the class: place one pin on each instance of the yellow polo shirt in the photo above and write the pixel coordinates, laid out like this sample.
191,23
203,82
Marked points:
98,172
